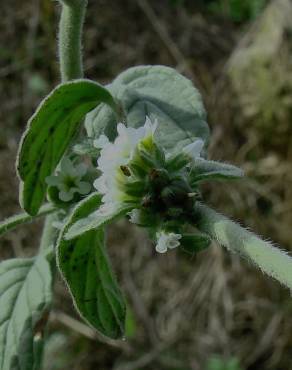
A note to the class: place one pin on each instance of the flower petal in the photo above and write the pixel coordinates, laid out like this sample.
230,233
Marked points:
81,169
101,142
66,196
166,241
161,248
83,187
67,167
194,149
135,216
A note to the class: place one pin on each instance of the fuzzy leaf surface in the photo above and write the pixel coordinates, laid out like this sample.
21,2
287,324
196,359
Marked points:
86,269
158,92
268,258
25,296
49,133
95,221
204,170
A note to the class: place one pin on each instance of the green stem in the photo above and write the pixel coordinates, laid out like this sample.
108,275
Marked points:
271,260
70,33
70,55
24,218
49,234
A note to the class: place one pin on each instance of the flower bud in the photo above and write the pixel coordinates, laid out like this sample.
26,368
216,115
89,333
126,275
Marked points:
158,179
196,242
176,194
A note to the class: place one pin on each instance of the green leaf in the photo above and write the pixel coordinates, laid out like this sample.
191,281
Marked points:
158,92
49,133
23,218
25,296
203,170
86,269
95,221
271,260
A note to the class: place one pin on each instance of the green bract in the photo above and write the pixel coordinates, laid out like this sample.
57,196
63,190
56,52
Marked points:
203,170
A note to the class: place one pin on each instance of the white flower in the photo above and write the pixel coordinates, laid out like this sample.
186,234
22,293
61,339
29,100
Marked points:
68,180
194,149
135,216
117,154
166,241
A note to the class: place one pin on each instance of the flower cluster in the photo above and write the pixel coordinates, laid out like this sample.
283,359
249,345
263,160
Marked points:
136,171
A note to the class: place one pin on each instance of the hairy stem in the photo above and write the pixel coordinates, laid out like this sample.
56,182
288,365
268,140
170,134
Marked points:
271,260
70,56
70,34
49,234
24,218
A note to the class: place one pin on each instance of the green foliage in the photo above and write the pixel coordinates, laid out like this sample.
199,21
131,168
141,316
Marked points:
210,170
93,221
217,363
49,133
86,269
160,93
237,10
25,286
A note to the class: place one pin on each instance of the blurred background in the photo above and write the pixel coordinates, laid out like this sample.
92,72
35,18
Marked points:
212,311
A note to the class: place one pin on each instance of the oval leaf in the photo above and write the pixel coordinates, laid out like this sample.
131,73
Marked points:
49,133
25,295
93,221
86,269
158,92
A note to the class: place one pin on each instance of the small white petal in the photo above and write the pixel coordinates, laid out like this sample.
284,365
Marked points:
101,184
66,196
117,154
66,165
161,248
81,169
101,142
173,240
121,129
150,127
167,241
194,149
83,187
135,216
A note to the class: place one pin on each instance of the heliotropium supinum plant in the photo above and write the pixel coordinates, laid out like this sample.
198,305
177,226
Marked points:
91,154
